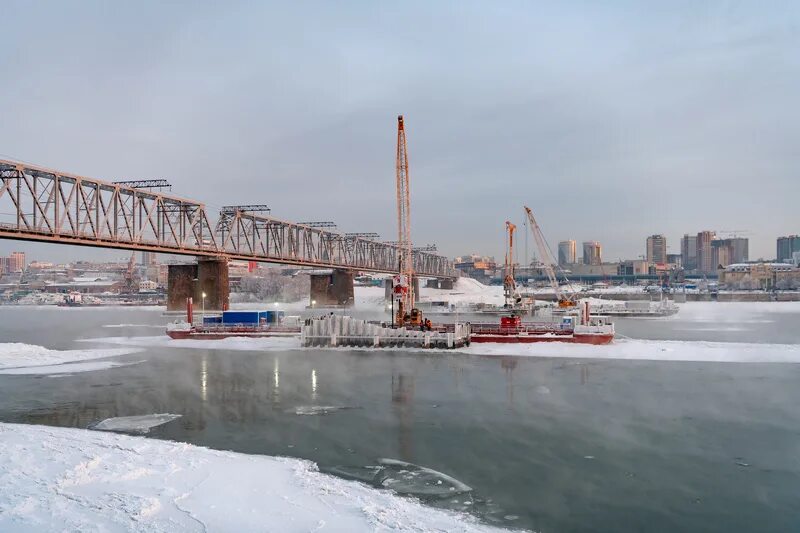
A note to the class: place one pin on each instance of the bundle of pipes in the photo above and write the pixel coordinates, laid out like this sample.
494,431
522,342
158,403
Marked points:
336,330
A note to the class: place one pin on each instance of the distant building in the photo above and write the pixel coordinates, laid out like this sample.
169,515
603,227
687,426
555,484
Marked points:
725,252
705,257
13,263
482,268
567,253
633,267
657,249
592,253
675,259
760,276
147,286
787,246
149,259
689,252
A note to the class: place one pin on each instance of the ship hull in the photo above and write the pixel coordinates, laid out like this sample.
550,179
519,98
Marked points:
217,335
528,339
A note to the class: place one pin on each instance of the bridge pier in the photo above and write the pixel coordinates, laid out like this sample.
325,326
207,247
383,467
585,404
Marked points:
388,286
334,289
209,276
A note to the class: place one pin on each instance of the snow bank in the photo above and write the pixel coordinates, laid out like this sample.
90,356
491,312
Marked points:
720,352
134,424
18,358
78,480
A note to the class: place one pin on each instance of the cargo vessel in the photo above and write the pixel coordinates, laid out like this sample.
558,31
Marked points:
577,326
252,324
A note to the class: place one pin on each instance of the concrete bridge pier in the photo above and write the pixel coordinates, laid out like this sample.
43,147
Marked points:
388,285
334,289
209,276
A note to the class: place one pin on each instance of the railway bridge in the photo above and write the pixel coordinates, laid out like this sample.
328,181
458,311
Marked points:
44,205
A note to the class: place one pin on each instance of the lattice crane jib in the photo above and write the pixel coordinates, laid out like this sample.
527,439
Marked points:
406,265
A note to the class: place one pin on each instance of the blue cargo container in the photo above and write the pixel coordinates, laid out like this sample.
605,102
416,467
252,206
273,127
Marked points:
274,317
244,317
213,319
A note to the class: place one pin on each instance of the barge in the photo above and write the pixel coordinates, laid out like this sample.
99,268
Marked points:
576,327
249,324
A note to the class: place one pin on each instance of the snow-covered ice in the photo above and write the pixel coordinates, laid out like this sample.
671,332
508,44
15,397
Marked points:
19,358
231,343
77,480
647,350
140,424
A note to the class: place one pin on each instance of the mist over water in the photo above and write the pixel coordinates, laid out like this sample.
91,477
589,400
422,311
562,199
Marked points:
547,444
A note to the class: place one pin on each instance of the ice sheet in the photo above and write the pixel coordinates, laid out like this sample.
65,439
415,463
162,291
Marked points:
76,480
19,355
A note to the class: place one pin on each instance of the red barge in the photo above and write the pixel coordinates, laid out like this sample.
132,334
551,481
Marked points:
577,326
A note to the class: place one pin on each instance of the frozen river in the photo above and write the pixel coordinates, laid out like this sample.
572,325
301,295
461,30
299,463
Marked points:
673,436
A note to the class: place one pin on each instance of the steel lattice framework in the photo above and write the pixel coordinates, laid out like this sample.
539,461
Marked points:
39,204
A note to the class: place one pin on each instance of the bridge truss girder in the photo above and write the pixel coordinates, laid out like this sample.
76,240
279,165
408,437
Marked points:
38,204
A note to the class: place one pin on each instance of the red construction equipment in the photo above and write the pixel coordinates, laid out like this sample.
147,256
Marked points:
509,284
406,312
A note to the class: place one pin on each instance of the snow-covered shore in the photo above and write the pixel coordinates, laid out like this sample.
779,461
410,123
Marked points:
77,480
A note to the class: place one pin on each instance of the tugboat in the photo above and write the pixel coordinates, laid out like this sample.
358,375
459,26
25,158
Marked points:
252,324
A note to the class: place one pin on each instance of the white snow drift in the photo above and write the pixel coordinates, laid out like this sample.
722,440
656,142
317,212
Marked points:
19,358
77,480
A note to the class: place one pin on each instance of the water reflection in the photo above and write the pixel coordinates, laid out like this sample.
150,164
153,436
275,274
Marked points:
509,364
204,379
314,384
402,401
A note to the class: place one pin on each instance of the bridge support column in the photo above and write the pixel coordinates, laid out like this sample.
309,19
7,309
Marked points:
388,286
334,289
209,276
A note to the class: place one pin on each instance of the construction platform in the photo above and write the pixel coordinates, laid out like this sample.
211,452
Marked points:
337,330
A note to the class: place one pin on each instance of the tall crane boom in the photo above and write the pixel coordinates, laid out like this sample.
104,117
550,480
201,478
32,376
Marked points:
404,217
564,300
509,284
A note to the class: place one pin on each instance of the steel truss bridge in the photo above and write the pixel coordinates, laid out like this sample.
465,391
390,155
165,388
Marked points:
45,205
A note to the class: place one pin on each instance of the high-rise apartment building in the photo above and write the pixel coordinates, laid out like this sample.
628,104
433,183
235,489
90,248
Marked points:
14,263
731,251
592,253
689,251
705,255
567,253
657,249
786,248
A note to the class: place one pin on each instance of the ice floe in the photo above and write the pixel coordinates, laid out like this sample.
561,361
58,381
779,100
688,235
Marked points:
139,424
319,409
78,480
404,478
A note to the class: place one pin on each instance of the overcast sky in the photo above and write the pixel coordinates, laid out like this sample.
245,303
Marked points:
612,120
